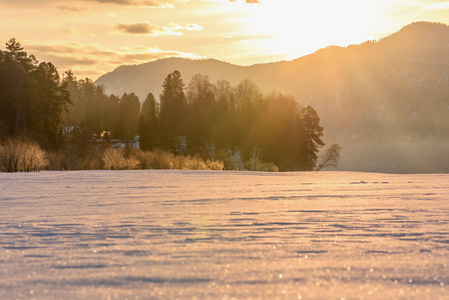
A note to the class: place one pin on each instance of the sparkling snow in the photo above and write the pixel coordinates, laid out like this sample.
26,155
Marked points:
223,235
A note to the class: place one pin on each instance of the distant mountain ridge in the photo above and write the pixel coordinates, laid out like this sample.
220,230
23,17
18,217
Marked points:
385,102
148,77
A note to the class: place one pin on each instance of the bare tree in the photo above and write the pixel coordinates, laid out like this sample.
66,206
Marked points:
330,157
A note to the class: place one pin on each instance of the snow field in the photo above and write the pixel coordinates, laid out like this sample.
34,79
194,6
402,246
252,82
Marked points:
223,235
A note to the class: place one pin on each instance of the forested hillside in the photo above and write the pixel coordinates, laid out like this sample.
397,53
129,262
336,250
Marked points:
206,125
385,102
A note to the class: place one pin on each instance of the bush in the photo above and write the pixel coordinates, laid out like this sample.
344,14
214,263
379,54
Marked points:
229,162
21,155
215,165
256,165
157,159
71,159
162,159
115,159
190,163
269,167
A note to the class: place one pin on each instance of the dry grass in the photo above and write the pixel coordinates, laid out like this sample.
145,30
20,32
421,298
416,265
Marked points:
115,159
21,155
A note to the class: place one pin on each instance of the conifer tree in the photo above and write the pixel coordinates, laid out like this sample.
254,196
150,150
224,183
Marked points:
173,112
51,99
149,124
129,111
201,115
15,69
310,133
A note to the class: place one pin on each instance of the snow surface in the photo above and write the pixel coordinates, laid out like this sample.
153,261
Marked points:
219,235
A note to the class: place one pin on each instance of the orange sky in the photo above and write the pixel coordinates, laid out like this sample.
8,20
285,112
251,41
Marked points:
93,37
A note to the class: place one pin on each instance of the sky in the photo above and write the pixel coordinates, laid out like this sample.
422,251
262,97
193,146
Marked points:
93,37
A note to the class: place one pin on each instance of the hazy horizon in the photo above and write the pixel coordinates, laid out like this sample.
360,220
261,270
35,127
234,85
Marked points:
93,37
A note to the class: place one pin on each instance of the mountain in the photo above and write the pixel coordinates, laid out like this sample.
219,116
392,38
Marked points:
385,102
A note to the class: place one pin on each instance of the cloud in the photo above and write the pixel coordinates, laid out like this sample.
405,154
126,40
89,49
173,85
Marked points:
154,30
152,3
193,27
70,8
73,31
441,5
248,1
136,28
149,29
134,2
93,61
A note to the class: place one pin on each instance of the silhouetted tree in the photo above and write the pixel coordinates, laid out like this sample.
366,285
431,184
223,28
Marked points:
201,115
277,131
15,86
129,112
309,138
224,136
51,98
76,113
248,100
173,112
148,127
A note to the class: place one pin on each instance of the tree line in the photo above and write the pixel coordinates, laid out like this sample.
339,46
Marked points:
200,119
32,97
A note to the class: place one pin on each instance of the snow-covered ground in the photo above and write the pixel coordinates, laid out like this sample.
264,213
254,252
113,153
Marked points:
219,235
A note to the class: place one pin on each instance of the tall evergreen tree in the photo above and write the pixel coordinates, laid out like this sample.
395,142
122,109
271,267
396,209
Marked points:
76,112
309,138
15,69
275,127
149,124
201,115
224,136
248,101
52,98
173,112
129,112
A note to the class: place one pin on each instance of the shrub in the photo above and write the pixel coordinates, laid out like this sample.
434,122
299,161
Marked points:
114,159
73,159
21,155
256,165
157,159
190,163
179,162
215,165
269,167
162,159
229,162
56,160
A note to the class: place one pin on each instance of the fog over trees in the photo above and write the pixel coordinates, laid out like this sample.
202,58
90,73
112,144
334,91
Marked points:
74,120
386,102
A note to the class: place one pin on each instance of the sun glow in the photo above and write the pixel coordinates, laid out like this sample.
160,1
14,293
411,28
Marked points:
236,31
307,26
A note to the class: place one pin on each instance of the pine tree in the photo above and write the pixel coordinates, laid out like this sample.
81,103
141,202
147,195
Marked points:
309,138
201,115
173,112
51,99
248,100
129,112
149,124
15,69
